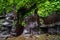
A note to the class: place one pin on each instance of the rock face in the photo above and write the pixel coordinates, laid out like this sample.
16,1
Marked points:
32,24
52,22
7,24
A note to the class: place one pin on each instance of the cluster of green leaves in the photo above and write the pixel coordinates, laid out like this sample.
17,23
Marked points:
45,7
7,4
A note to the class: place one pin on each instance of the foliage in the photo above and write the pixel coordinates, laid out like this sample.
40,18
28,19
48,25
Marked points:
48,7
45,7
